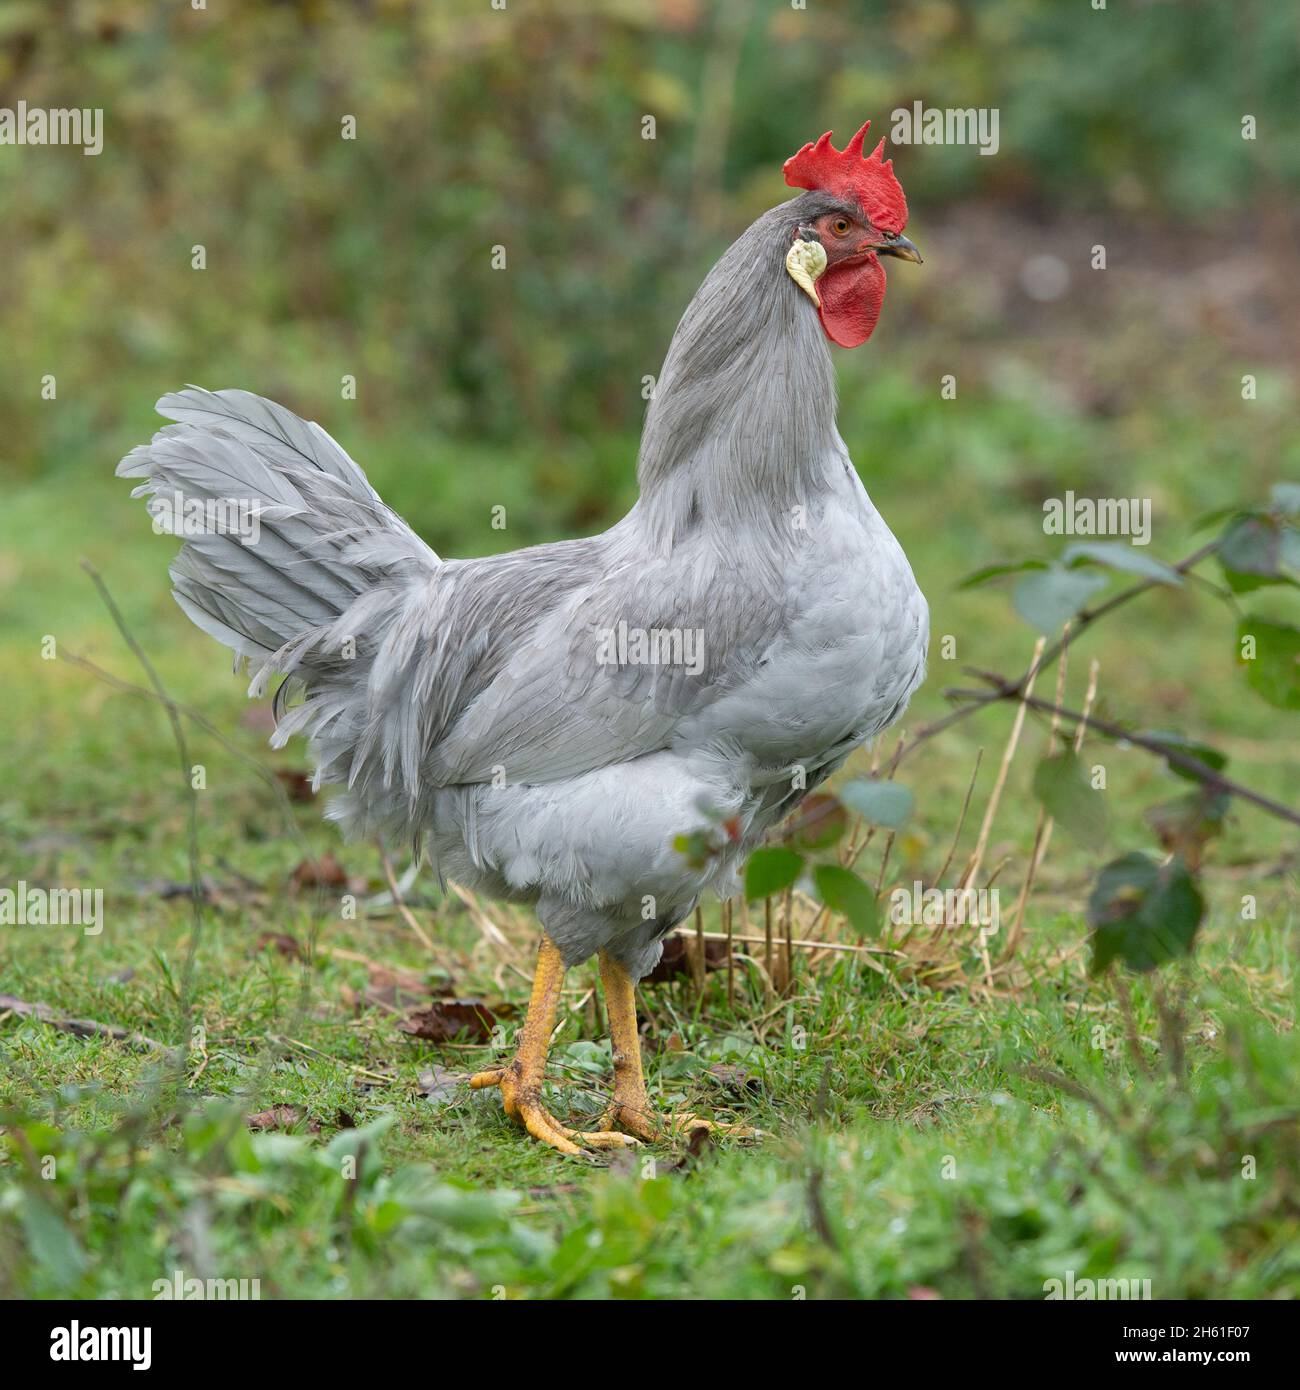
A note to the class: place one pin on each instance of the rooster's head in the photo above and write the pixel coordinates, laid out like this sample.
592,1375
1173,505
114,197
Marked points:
855,213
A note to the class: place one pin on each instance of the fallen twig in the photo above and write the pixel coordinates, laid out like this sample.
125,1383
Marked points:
82,1027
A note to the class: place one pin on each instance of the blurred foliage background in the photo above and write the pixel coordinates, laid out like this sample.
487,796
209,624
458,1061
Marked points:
523,127
479,388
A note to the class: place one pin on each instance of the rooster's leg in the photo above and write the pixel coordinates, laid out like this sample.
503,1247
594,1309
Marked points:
521,1080
630,1110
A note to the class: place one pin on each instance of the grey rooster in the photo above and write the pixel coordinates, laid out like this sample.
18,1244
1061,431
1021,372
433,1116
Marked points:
542,725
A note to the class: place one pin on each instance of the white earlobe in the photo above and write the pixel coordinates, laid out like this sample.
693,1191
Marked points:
805,261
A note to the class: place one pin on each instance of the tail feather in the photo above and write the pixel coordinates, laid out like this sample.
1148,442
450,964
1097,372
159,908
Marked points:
321,565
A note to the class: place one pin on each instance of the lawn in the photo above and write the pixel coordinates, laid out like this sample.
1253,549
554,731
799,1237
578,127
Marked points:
923,1132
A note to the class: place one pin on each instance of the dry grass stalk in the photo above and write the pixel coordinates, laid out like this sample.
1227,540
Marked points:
492,934
788,970
400,903
991,810
767,936
728,909
696,956
805,944
995,797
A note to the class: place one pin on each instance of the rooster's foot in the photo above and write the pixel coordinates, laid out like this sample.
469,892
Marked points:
650,1126
525,1105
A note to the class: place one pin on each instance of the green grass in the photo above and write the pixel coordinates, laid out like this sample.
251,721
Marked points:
914,1139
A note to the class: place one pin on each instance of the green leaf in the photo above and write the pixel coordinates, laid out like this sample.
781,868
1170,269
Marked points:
843,891
51,1242
1211,757
982,576
1213,518
1250,552
1143,913
1059,784
771,870
882,803
1117,555
1274,670
819,823
1055,596
1286,498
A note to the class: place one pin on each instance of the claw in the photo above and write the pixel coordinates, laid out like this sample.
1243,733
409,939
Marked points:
540,1123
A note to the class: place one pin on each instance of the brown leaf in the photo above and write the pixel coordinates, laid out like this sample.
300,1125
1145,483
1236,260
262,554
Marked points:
442,1086
675,961
281,941
325,872
820,822
296,783
280,1117
733,1078
448,1019
698,1143
392,989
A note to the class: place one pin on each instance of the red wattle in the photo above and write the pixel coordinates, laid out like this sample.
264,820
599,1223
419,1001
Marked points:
851,297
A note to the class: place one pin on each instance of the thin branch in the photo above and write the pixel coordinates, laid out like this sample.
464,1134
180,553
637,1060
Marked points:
1006,690
1079,623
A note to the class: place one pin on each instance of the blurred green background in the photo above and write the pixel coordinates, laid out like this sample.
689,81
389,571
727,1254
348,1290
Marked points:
371,258
477,127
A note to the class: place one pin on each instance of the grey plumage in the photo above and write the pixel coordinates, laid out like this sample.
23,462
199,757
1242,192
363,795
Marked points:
470,706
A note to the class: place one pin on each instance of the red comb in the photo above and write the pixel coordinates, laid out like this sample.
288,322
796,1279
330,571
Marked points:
849,174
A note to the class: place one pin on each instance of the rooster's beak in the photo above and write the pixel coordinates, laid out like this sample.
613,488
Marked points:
899,246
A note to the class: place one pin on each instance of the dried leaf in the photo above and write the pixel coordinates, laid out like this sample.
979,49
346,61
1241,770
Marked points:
445,1020
733,1078
297,784
280,1117
325,872
675,960
281,941
442,1086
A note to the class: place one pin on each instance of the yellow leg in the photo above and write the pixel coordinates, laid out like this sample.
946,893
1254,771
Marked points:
521,1081
630,1109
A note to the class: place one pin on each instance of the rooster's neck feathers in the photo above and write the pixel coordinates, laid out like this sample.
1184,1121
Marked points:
741,429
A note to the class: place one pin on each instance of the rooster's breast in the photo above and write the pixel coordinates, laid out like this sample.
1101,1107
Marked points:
849,655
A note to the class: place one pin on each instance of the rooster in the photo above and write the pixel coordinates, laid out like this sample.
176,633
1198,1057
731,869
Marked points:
543,725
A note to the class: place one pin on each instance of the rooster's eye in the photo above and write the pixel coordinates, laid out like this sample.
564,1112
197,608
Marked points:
840,226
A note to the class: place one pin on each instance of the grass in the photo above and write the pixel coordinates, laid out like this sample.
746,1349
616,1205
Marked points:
918,1140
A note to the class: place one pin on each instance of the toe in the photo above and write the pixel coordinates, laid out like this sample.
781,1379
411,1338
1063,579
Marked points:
605,1139
541,1126
482,1079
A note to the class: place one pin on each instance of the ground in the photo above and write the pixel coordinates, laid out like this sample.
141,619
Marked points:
922,1136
